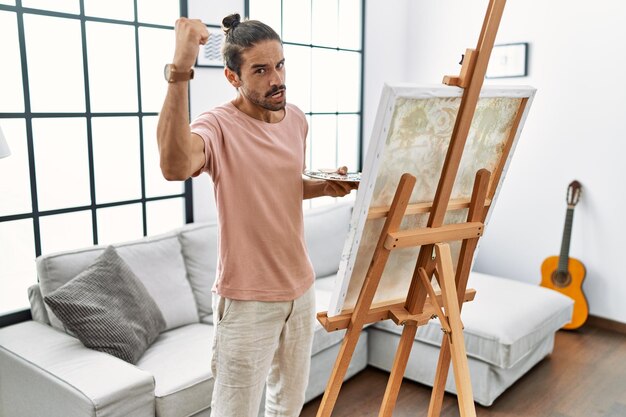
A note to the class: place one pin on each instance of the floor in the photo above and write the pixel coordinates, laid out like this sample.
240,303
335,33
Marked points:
584,377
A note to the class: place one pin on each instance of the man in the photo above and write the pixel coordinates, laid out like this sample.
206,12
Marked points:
253,148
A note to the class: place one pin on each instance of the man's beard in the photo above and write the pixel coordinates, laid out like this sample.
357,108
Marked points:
265,101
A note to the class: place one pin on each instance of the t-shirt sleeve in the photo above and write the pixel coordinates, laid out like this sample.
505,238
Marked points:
207,127
303,125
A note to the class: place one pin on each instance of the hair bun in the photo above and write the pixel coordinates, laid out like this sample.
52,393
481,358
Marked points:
231,21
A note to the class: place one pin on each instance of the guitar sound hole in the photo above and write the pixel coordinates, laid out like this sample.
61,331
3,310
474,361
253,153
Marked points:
561,278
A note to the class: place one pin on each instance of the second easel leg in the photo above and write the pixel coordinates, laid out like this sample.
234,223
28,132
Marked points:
397,371
456,341
441,376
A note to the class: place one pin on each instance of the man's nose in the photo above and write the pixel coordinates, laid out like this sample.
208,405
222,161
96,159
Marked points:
276,78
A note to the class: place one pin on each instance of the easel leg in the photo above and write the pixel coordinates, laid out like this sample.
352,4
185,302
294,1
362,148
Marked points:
402,354
397,371
335,381
456,341
443,365
441,376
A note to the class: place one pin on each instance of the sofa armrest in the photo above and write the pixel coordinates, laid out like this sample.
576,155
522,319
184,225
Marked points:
44,372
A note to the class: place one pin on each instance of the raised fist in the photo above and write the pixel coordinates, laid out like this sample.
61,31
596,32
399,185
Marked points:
190,33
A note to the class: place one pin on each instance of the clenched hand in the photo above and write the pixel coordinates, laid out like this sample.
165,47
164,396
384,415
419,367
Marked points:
190,33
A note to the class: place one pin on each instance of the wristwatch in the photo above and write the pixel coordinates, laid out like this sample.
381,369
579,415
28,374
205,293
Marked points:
173,74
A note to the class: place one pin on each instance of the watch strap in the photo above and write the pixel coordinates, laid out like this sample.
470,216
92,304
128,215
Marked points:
173,74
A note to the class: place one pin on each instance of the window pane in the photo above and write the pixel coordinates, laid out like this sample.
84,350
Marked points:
350,24
9,2
156,185
15,194
348,70
165,215
17,264
116,150
66,6
119,224
11,68
324,26
62,163
348,141
55,64
298,67
267,11
66,231
323,141
112,67
156,48
324,80
297,21
112,9
164,12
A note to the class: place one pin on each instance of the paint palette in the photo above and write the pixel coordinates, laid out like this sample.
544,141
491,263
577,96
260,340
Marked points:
332,175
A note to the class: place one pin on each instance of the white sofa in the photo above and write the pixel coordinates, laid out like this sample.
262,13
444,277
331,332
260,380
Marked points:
47,372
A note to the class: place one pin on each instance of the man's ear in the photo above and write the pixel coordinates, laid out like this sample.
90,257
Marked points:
232,77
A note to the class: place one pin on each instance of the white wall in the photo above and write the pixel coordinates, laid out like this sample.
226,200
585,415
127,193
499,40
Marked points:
574,131
386,60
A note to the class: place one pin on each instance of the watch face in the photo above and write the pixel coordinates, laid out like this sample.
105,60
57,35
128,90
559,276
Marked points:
166,71
171,75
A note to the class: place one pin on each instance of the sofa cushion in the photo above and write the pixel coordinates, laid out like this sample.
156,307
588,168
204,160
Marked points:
47,373
506,320
325,231
157,261
180,361
199,247
108,308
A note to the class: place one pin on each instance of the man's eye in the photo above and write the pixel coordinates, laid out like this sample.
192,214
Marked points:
280,65
260,71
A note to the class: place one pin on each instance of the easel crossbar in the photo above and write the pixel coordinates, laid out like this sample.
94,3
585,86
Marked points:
431,235
375,314
421,208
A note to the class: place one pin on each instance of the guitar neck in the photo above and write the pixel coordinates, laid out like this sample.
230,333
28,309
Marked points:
565,243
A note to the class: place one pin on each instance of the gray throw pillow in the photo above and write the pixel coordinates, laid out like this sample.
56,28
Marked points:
108,308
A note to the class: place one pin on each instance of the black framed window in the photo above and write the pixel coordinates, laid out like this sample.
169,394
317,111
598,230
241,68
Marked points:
81,85
323,46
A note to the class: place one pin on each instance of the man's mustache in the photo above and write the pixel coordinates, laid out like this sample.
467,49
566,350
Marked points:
275,90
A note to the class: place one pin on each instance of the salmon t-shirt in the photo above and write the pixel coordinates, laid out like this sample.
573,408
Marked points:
256,169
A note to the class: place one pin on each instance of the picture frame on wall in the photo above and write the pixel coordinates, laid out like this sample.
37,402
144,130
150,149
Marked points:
210,54
508,61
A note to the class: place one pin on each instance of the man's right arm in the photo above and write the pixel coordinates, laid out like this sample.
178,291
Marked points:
181,152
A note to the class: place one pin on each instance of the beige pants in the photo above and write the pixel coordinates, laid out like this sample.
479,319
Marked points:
257,342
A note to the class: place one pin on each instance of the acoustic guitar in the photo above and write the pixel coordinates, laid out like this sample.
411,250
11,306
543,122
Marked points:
564,274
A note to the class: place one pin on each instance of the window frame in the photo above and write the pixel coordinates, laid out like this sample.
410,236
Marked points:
13,317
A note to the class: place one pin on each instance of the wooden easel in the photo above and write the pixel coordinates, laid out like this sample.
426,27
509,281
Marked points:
422,302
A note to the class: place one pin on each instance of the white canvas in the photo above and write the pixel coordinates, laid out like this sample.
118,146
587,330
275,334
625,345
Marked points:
411,134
